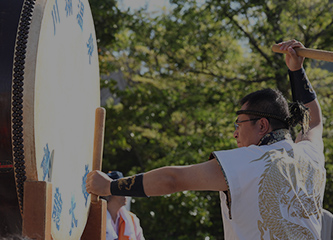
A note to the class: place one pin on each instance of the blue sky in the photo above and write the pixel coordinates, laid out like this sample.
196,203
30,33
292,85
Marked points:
153,5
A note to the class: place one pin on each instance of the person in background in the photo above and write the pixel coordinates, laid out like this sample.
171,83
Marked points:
121,224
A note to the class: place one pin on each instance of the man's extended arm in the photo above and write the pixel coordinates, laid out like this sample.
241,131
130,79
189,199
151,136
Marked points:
205,176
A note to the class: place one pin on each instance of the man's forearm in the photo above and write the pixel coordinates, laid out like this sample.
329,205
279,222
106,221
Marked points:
157,182
130,186
301,88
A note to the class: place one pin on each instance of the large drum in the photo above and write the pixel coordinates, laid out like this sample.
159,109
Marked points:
48,95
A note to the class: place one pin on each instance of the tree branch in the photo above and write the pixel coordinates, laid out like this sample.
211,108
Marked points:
251,40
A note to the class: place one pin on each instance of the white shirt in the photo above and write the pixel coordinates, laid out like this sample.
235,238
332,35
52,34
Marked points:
134,231
276,190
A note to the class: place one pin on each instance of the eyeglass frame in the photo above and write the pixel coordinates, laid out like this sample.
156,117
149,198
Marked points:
248,120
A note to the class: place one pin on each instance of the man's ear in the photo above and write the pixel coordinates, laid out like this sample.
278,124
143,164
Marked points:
265,126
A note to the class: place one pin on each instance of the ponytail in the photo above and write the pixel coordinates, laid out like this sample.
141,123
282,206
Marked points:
299,114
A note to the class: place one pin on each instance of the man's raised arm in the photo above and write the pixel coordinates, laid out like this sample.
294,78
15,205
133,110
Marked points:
302,91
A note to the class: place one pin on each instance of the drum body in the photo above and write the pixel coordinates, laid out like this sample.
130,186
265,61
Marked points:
55,91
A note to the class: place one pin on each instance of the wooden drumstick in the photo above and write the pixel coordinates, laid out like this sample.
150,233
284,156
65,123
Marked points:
98,143
308,53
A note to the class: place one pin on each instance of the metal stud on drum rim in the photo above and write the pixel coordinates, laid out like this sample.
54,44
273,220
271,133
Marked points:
17,97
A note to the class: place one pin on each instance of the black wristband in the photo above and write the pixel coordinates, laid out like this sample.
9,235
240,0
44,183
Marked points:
130,186
301,88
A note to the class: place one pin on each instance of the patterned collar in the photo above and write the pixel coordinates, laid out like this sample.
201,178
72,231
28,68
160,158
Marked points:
275,136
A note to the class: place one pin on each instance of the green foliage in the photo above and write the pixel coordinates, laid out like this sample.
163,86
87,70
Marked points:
188,215
108,21
185,72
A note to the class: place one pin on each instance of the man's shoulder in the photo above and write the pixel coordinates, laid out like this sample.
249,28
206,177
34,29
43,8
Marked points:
309,146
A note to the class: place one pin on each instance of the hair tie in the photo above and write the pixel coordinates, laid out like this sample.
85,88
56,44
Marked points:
299,114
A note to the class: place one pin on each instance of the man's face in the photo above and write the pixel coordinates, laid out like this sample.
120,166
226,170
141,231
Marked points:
247,132
117,201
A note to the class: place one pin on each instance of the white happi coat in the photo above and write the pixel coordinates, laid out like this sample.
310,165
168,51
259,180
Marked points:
276,191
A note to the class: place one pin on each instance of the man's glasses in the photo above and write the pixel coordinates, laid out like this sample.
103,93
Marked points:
237,122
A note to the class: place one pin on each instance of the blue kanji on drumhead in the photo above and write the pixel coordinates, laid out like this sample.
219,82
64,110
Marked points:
57,208
71,212
84,179
45,165
90,46
79,16
55,16
69,7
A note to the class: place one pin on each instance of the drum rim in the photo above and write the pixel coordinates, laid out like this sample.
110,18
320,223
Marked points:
17,109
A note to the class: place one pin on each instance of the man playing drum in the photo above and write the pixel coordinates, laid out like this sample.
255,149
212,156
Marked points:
270,187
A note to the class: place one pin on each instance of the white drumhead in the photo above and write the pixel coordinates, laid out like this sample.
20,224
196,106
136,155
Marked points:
61,93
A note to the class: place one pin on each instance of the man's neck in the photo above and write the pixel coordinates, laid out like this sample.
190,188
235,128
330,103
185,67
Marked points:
275,136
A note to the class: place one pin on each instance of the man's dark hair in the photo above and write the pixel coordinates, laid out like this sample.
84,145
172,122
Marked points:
271,102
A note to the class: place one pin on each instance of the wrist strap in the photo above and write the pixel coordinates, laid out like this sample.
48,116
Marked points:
130,186
301,88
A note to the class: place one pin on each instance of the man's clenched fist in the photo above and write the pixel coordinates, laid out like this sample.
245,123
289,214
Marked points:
98,183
